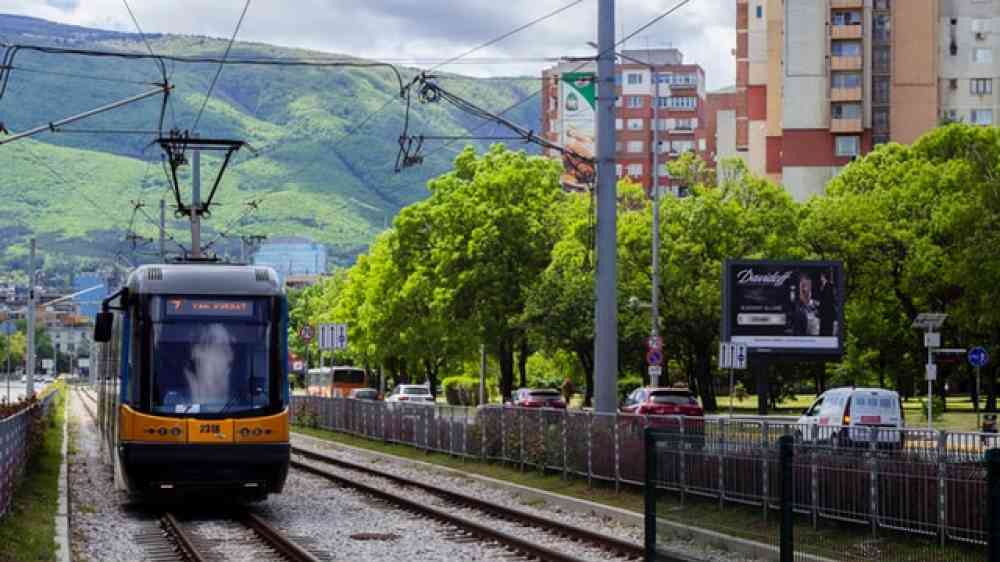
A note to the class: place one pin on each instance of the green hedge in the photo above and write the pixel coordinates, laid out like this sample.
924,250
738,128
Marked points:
461,390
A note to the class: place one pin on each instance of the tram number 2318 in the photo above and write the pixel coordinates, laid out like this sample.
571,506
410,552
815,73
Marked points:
210,428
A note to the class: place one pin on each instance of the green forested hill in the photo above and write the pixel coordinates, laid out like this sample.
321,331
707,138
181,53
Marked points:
73,191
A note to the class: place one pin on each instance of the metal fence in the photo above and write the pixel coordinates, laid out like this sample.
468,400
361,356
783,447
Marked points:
15,442
921,483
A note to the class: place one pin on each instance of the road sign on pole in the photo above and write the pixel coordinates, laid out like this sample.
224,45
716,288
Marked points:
654,343
978,357
654,357
332,336
655,370
306,334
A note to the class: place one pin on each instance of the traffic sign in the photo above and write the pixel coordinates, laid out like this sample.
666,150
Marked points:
931,372
654,343
654,357
733,355
978,357
655,370
306,333
332,336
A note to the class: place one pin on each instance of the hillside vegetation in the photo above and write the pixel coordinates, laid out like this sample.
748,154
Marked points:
73,190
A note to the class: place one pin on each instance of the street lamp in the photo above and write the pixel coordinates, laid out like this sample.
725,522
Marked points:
654,309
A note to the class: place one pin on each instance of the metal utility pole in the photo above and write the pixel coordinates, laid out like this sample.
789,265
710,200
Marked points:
196,204
163,231
30,367
606,333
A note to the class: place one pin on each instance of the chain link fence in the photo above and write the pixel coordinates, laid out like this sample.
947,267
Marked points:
15,447
875,483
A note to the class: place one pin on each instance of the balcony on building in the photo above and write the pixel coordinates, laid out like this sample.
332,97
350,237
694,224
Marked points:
846,126
845,32
845,94
835,4
845,63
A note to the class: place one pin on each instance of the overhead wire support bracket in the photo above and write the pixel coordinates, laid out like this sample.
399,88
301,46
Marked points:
176,146
430,92
53,126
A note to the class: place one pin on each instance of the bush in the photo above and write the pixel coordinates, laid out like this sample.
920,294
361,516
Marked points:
627,384
740,392
461,390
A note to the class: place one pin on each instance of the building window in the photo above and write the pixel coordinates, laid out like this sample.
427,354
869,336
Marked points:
618,124
663,78
682,102
981,86
881,60
847,18
663,171
982,55
950,116
846,48
664,147
633,102
982,116
636,124
880,89
760,11
619,146
636,146
679,146
847,111
635,170
980,28
953,83
618,170
880,28
663,124
633,78
880,119
662,102
848,146
846,79
618,101
686,124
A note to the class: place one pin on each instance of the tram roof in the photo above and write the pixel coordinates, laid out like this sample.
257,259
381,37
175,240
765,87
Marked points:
204,279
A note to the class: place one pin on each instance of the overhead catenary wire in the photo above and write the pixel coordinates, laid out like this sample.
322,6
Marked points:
222,64
162,68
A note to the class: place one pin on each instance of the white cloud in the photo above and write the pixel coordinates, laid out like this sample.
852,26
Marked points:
421,30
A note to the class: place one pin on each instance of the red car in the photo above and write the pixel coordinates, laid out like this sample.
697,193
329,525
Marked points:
538,398
662,402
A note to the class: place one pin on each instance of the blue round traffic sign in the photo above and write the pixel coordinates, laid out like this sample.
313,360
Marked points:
978,357
654,357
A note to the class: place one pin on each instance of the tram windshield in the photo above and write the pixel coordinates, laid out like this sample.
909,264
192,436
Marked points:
210,355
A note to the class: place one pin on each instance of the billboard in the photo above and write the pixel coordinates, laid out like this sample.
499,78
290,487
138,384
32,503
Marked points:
578,100
784,307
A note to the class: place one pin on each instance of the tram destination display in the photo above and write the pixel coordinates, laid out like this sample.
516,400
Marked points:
784,307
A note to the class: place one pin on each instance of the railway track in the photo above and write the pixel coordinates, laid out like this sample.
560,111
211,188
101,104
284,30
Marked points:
172,540
479,528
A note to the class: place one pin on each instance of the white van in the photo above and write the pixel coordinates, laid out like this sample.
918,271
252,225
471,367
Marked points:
846,416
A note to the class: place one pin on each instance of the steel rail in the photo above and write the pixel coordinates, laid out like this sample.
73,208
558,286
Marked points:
276,540
184,542
516,543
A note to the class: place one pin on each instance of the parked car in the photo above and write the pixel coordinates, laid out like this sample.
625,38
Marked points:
538,398
411,393
364,394
847,417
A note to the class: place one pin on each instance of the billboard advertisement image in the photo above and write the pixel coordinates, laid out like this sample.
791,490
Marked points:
784,307
578,96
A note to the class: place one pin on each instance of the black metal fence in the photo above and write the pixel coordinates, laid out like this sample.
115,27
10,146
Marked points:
821,500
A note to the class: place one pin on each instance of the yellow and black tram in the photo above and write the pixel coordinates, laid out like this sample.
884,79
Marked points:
193,380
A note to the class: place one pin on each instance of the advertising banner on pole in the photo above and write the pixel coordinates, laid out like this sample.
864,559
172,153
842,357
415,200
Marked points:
784,307
578,99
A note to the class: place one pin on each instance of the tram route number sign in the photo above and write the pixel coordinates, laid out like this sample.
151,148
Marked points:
332,336
732,355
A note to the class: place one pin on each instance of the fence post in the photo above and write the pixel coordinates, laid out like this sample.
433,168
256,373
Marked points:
503,436
482,430
590,449
649,443
786,448
614,429
873,478
723,444
565,413
942,467
993,504
766,473
385,422
543,431
520,425
814,474
682,473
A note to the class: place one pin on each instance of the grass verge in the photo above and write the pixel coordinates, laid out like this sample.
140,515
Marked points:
852,541
27,532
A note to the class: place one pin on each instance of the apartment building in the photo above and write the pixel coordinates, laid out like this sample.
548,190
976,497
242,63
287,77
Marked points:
823,81
678,112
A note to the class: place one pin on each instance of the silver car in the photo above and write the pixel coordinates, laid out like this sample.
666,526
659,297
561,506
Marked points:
411,394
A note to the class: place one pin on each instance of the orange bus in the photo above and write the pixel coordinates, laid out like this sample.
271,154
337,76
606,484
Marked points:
336,381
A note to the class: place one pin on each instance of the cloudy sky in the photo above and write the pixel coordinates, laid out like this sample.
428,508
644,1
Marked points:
423,31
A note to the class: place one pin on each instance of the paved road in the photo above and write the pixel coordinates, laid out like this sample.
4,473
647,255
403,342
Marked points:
16,389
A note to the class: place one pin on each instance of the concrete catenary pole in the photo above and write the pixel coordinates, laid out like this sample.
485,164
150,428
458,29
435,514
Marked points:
29,367
606,333
163,231
654,309
196,205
